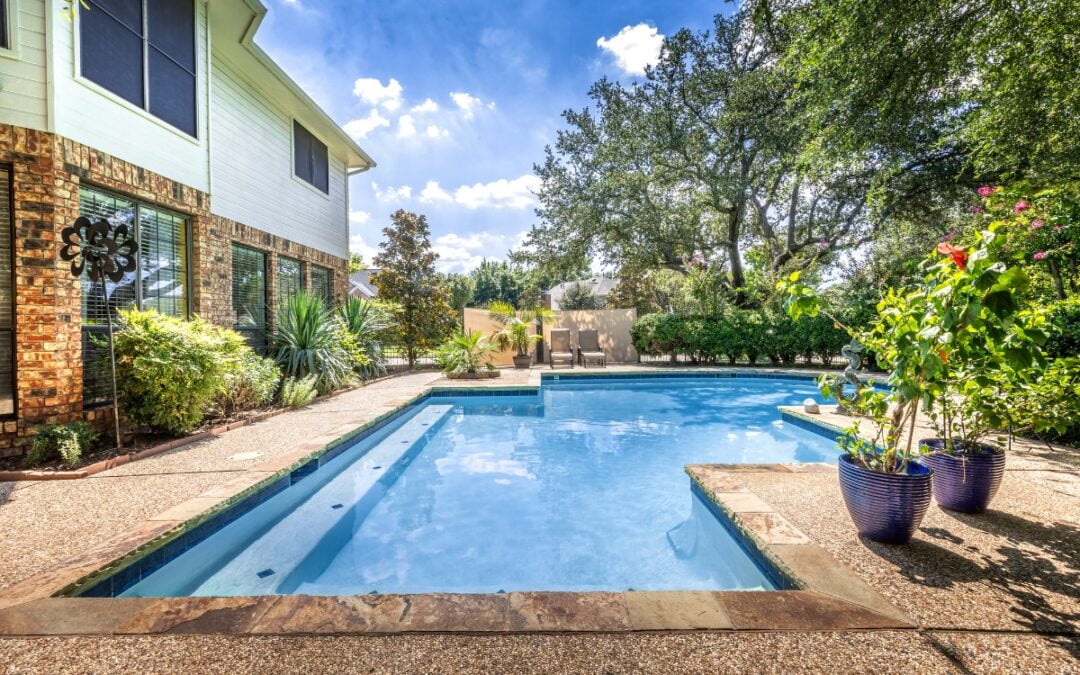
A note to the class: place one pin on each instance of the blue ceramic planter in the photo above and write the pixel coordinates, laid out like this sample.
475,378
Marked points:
966,481
885,507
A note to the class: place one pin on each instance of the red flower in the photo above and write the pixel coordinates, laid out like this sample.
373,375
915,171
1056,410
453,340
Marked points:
959,255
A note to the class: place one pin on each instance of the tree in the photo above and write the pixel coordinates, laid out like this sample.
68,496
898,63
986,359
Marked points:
422,315
995,78
356,262
497,281
462,289
702,163
580,296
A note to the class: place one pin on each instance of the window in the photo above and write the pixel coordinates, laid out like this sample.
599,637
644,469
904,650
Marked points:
144,52
160,281
290,279
5,36
310,161
7,298
320,283
249,295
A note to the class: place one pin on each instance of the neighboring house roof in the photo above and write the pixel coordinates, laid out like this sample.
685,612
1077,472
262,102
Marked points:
600,286
360,285
244,17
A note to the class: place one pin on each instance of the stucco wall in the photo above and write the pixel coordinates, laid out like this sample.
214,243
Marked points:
612,325
477,319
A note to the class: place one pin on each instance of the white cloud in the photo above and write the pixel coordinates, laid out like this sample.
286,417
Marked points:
367,251
468,104
428,106
360,128
373,91
433,192
500,194
359,217
434,131
391,194
465,253
634,47
406,128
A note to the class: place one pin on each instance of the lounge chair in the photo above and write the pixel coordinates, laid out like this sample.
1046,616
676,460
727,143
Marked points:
560,349
589,348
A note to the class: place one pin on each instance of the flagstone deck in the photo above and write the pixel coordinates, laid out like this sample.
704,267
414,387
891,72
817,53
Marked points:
992,593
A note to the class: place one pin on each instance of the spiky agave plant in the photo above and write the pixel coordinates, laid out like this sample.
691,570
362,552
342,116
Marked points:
366,321
308,341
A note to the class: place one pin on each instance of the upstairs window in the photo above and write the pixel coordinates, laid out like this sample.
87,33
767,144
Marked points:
310,160
5,34
144,52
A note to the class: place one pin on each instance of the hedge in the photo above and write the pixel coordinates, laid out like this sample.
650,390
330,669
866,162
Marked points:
748,334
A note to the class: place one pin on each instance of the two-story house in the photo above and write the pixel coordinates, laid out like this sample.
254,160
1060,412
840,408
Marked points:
165,115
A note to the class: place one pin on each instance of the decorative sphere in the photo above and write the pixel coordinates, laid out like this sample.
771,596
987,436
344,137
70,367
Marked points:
811,406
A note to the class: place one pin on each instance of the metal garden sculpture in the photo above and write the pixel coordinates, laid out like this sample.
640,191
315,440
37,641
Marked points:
850,352
106,253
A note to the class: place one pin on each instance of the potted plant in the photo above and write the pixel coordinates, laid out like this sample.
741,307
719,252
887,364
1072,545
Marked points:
466,355
885,490
513,332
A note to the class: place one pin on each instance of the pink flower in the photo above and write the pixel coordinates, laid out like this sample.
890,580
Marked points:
950,236
985,191
1040,255
1021,206
1036,224
1060,228
958,255
976,209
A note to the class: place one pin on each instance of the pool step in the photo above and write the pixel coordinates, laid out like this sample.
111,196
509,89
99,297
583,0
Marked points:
321,518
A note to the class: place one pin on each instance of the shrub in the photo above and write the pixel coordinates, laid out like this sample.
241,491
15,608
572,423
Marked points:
366,322
249,382
298,392
311,341
169,370
1063,322
66,441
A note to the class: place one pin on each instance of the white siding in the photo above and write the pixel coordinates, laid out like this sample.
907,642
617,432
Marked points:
90,115
252,169
23,72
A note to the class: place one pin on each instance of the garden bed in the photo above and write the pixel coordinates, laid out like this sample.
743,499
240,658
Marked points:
140,446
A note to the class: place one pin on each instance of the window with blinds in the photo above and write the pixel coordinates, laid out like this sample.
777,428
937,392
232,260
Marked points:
161,279
290,279
249,295
320,283
7,298
144,52
311,161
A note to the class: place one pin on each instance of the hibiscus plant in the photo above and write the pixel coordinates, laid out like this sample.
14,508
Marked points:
955,342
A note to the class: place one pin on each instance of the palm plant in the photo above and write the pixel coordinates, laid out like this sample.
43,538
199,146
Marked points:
465,352
514,326
308,341
366,321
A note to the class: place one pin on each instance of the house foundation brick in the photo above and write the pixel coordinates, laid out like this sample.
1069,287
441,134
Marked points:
47,171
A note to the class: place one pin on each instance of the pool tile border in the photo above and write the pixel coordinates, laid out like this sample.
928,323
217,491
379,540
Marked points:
823,593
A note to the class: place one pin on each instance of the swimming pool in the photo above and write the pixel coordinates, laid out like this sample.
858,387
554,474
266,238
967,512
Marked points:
579,487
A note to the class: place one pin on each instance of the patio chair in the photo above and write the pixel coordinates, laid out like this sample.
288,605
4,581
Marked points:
589,348
560,349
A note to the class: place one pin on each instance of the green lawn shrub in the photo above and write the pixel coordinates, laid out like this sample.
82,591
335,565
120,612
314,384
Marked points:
298,392
66,441
250,382
1063,324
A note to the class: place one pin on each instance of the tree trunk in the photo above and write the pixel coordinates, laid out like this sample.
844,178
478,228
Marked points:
1059,285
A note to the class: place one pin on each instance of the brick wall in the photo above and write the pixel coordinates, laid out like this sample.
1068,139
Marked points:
47,171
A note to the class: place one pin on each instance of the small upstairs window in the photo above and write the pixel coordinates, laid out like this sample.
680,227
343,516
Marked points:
5,30
310,160
144,52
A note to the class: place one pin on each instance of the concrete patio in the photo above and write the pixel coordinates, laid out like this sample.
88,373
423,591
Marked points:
992,593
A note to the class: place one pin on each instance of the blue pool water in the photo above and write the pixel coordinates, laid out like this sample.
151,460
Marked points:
578,488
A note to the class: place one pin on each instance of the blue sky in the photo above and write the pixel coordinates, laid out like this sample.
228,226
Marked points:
455,101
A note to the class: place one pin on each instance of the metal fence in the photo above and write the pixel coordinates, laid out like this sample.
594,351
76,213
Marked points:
394,358
684,360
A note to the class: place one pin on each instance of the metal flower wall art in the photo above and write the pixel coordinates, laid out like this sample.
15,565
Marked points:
106,253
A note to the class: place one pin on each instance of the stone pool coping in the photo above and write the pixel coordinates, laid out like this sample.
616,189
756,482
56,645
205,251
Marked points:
828,595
